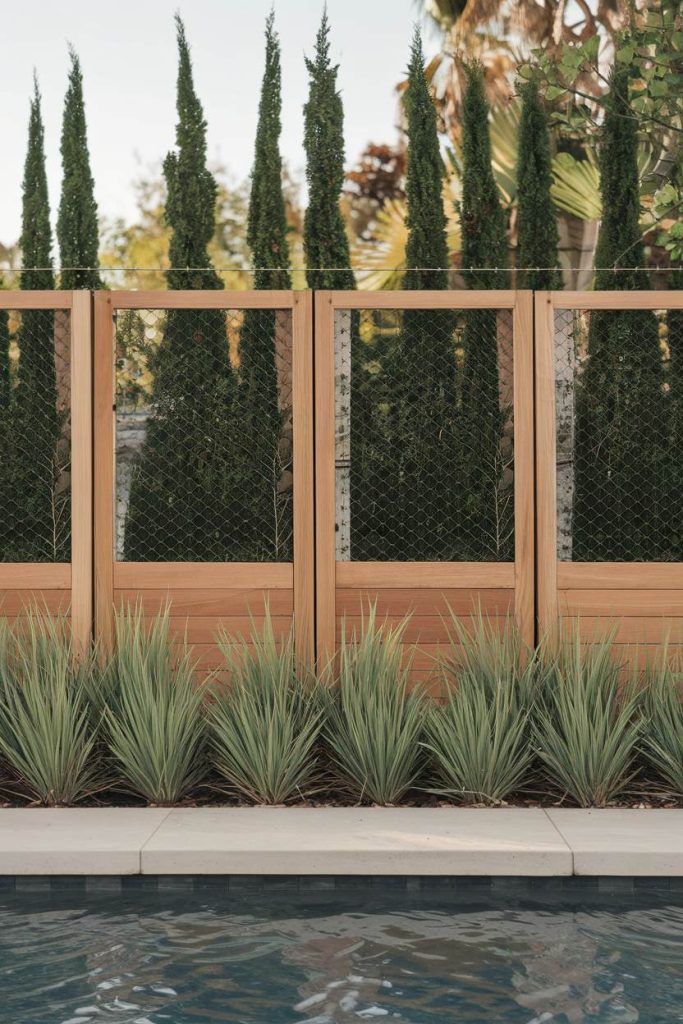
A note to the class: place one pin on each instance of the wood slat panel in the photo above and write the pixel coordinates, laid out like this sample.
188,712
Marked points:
205,629
266,299
628,630
16,602
624,602
496,601
458,575
39,299
401,299
420,628
656,299
204,575
620,575
210,602
35,576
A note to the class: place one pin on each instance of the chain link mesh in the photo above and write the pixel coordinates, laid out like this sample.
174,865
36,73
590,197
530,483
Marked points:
424,435
203,435
619,416
35,436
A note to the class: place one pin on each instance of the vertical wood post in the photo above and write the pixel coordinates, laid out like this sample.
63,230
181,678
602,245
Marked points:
546,465
302,425
325,478
104,427
523,387
81,471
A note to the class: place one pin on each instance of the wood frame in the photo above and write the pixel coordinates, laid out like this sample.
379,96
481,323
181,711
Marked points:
236,578
36,580
517,576
608,591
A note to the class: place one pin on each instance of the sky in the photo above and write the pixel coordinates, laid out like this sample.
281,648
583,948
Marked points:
128,55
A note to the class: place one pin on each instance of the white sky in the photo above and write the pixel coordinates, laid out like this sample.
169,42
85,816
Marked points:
128,55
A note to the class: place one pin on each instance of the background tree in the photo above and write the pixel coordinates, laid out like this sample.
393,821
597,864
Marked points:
180,506
265,337
673,512
488,521
35,522
4,364
77,220
426,525
537,257
619,440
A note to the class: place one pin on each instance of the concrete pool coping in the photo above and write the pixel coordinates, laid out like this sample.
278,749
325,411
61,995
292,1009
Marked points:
340,841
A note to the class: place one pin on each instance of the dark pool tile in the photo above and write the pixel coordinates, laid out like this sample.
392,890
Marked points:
62,882
8,882
215,883
32,883
132,883
615,884
103,883
281,883
576,882
245,883
392,882
175,883
316,883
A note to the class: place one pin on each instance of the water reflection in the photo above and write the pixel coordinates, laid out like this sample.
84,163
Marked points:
148,958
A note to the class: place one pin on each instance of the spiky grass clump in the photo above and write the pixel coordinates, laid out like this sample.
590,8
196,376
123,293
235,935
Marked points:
663,725
479,739
264,721
48,731
587,725
374,721
154,710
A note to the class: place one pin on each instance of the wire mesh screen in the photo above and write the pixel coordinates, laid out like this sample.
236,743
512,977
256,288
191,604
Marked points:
424,435
35,436
619,416
203,435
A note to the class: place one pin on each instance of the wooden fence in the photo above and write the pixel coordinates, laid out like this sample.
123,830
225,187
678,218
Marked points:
319,589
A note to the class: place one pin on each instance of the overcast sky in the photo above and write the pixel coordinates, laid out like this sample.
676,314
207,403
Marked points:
128,54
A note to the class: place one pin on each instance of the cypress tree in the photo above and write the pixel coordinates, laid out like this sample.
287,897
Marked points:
4,366
425,445
36,506
180,506
488,520
77,220
326,246
537,258
265,452
619,394
673,515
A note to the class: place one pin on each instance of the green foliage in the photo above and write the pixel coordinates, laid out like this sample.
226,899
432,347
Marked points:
264,723
326,246
479,739
537,224
184,481
619,442
374,722
48,731
487,519
587,726
154,711
673,514
264,454
5,382
77,220
34,472
663,730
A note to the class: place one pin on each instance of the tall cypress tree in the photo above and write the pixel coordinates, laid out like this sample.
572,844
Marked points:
265,454
537,258
673,513
4,367
180,506
619,441
77,220
426,524
35,524
489,512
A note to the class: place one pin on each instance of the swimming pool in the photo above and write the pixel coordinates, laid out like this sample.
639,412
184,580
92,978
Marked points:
322,951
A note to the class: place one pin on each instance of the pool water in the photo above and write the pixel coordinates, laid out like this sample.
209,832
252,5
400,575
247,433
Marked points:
271,955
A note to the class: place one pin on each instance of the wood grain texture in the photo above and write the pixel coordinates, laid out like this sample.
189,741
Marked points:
450,299
35,576
621,602
304,512
36,300
204,575
19,602
615,300
419,629
211,602
620,575
524,463
439,575
405,601
103,492
81,472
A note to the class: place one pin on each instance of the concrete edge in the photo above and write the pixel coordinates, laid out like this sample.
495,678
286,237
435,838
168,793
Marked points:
448,842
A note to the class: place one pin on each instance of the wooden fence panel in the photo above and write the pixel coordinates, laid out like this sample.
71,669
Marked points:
639,603
207,597
63,587
345,587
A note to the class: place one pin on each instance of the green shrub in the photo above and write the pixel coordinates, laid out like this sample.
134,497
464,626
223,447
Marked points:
264,723
663,730
479,740
154,710
587,725
48,731
374,722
